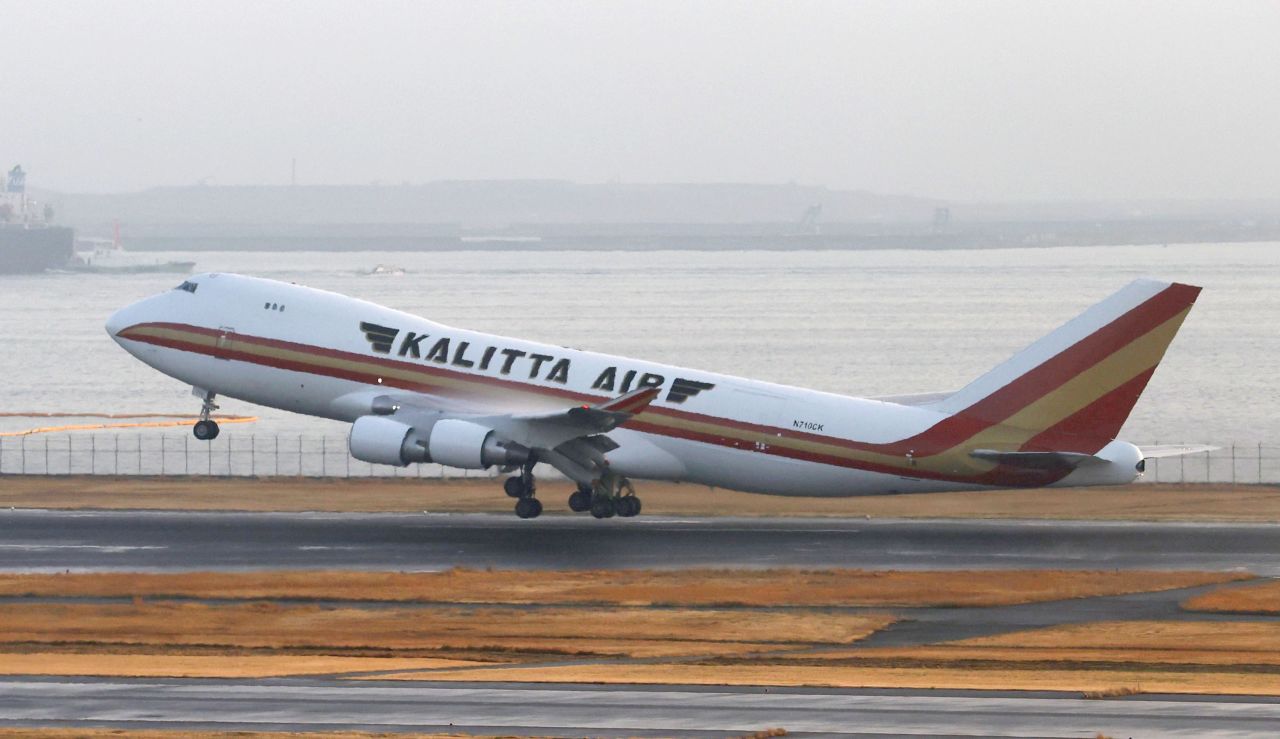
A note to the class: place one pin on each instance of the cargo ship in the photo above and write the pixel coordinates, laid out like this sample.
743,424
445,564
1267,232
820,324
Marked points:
28,243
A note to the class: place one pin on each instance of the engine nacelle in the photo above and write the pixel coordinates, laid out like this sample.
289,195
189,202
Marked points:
450,442
468,445
382,440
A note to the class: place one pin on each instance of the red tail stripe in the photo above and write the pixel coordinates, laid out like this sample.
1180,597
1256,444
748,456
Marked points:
1084,354
1092,427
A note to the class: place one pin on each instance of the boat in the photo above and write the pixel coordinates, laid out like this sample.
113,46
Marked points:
108,256
28,243
387,269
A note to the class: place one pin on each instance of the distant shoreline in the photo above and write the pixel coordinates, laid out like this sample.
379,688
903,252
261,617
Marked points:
248,242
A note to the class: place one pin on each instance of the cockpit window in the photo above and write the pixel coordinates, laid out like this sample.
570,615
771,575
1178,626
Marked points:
189,286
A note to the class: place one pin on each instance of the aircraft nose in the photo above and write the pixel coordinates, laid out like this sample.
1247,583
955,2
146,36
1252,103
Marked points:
122,319
114,323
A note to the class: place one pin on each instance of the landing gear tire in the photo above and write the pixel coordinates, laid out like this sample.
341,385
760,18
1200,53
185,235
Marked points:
627,506
528,508
515,487
580,500
205,430
602,507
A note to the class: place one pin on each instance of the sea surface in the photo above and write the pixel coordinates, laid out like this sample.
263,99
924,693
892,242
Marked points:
863,323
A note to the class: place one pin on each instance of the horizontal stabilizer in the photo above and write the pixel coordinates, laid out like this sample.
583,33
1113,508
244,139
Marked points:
1036,460
1158,451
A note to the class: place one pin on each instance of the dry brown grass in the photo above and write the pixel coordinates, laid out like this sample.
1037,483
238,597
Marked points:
957,678
1262,598
1201,502
1218,645
207,666
763,588
1120,691
1261,637
1105,660
595,631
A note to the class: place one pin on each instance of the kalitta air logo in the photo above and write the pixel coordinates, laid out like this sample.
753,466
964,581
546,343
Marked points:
380,337
506,361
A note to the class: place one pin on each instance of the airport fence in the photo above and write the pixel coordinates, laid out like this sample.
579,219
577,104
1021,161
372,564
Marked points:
229,455
292,455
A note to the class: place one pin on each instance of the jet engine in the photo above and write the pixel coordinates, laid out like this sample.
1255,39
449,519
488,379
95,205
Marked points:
451,442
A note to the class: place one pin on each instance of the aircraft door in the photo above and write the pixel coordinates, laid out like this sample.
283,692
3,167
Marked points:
226,342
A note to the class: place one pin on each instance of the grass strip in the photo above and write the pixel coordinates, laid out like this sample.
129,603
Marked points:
702,588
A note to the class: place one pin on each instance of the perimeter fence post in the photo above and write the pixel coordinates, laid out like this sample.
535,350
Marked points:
1207,477
253,455
93,454
228,456
186,455
1182,468
1259,463
115,454
324,455
347,457
69,454
23,446
1233,463
163,448
46,455
299,455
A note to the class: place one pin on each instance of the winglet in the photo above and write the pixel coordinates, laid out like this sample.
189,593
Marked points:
631,403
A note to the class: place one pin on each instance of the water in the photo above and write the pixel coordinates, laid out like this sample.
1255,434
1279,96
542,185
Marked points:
862,323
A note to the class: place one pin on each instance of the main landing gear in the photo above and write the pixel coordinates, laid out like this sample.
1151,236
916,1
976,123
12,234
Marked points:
522,488
611,495
206,429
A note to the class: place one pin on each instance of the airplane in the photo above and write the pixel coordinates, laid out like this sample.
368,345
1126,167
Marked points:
416,391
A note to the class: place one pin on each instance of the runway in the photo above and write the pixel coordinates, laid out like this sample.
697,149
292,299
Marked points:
300,705
40,540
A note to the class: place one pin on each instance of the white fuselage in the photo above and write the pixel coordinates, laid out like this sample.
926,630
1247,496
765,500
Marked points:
307,351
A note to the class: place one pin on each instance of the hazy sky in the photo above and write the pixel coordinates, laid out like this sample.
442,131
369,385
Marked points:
969,100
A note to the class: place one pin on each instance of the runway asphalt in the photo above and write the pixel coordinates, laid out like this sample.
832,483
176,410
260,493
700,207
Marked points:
37,540
298,705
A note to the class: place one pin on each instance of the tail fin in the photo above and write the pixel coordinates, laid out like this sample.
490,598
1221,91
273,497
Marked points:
1076,386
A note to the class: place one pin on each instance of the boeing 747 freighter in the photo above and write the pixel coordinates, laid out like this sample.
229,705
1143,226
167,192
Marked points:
417,391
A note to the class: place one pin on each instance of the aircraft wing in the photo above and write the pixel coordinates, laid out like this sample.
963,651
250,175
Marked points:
913,399
550,430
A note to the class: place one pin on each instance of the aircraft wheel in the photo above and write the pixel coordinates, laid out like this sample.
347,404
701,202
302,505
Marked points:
580,501
602,507
627,506
528,508
205,430
514,486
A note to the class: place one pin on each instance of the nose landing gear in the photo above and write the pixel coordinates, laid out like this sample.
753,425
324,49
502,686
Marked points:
206,429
